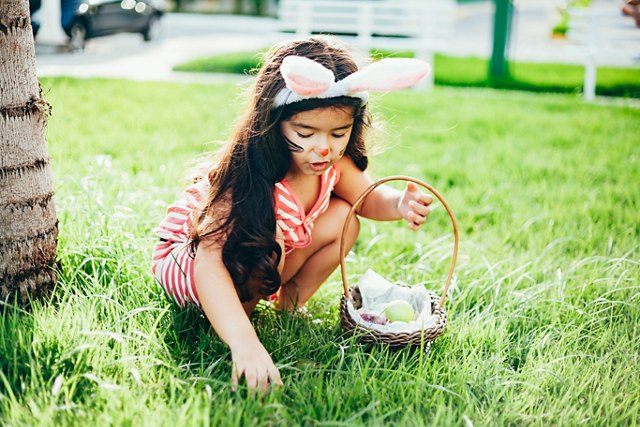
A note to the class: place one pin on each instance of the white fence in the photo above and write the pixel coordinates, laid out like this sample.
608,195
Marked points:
419,26
602,34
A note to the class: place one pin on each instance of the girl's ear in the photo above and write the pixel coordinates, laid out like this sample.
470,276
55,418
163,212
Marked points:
305,77
387,75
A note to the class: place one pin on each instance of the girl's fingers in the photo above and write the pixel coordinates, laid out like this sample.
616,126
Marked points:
270,378
416,219
234,377
274,377
255,379
251,377
418,208
423,198
263,381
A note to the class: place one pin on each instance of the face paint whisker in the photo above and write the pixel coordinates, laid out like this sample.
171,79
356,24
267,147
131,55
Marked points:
293,146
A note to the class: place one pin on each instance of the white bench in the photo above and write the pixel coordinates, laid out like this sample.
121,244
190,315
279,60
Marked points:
419,26
604,36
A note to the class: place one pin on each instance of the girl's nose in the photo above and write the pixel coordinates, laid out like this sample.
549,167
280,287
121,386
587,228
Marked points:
323,152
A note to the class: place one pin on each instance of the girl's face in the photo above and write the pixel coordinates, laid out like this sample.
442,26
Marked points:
317,138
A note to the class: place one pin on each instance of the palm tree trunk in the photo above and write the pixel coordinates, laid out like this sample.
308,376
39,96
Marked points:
28,223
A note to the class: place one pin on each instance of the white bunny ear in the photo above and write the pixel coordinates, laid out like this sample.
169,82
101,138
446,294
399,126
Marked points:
305,77
387,75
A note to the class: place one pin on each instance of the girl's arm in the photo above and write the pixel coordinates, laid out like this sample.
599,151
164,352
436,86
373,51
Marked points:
384,203
222,306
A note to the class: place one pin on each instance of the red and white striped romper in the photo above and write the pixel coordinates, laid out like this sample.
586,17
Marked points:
172,265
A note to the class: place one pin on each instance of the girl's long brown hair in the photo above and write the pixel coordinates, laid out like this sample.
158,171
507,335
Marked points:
240,205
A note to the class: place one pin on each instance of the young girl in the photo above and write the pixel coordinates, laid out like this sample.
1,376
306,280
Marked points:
265,222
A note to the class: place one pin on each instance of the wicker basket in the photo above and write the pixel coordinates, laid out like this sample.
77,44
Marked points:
395,339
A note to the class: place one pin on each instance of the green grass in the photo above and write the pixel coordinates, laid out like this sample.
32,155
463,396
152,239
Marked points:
544,320
235,62
468,72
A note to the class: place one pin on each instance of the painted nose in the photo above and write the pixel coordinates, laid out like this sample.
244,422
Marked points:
323,152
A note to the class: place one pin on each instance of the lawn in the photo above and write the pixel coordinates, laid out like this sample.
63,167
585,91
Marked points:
467,72
544,316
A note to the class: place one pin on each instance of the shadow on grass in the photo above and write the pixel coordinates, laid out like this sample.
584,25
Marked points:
16,336
29,365
191,340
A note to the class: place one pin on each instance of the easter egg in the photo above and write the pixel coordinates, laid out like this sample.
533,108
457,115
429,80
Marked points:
399,310
374,318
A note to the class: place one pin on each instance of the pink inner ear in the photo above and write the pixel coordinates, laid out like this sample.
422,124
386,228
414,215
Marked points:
304,86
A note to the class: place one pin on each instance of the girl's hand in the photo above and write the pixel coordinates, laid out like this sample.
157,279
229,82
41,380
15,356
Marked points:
414,206
254,363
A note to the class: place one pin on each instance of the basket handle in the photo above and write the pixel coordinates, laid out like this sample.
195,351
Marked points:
343,268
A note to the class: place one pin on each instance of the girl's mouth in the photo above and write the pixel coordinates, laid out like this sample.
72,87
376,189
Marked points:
318,166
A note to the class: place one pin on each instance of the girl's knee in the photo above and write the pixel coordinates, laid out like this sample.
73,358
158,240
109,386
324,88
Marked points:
342,211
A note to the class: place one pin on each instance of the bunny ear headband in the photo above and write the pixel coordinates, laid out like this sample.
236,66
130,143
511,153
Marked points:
305,79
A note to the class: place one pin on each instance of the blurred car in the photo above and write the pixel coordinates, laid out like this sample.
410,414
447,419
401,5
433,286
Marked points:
86,19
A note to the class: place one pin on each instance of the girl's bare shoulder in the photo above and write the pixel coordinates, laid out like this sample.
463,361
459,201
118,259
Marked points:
353,181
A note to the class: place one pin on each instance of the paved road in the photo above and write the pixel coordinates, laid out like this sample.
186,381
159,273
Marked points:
188,36
185,36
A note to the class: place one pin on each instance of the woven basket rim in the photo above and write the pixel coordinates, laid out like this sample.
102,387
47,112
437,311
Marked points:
395,338
437,303
454,257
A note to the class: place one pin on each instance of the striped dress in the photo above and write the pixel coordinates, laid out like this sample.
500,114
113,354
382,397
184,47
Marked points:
172,265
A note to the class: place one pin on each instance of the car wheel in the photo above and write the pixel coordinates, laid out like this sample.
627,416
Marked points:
152,31
77,36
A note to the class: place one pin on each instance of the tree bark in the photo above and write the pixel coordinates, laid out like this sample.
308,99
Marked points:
28,222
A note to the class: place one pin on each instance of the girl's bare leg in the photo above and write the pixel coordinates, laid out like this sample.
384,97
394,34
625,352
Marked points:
306,269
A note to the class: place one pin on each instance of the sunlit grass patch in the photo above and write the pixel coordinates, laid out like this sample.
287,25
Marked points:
543,314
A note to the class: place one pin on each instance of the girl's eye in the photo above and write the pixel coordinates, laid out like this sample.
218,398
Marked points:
304,136
338,136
